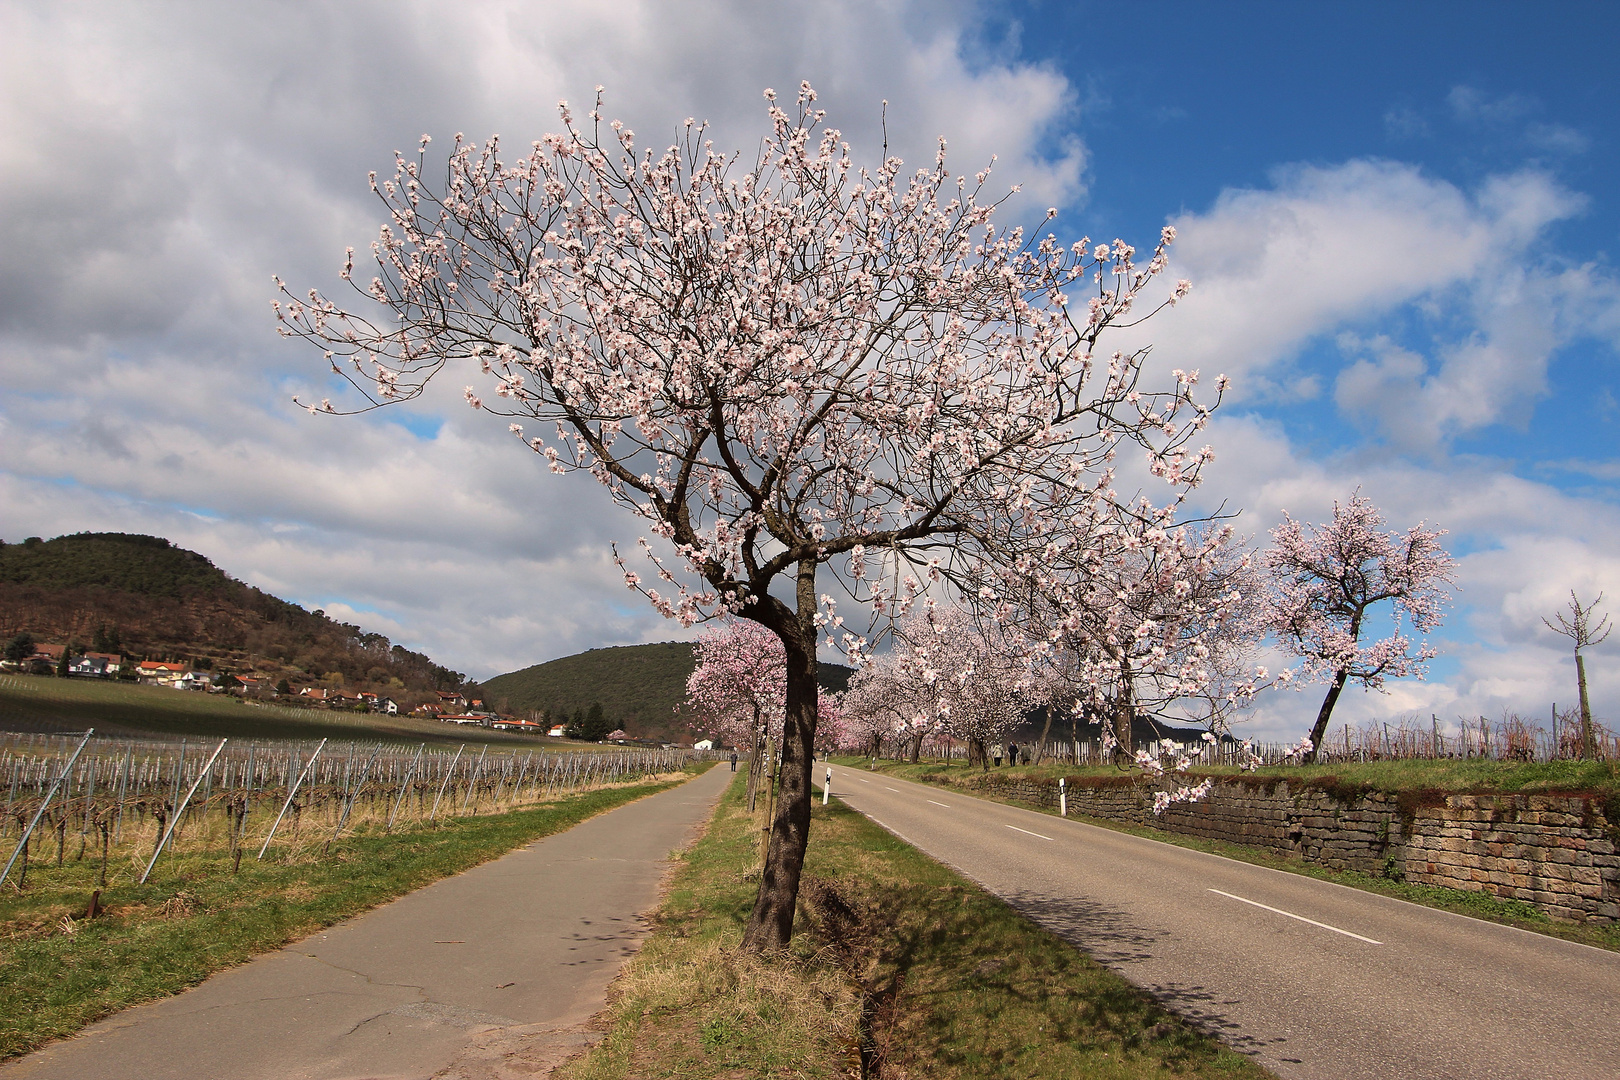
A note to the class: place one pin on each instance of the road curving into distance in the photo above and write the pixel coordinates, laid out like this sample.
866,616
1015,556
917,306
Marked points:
1317,981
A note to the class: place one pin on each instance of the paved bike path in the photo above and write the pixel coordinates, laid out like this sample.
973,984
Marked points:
487,974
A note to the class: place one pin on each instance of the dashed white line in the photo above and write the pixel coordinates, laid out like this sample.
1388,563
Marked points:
863,779
1026,832
893,789
1291,915
945,805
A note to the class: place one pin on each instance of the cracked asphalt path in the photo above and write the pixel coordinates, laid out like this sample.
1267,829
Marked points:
487,974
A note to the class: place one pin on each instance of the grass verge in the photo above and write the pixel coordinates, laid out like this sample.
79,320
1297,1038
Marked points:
899,968
60,970
1475,905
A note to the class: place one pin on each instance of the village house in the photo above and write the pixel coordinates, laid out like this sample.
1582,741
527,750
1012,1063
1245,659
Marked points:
512,723
96,665
159,672
463,718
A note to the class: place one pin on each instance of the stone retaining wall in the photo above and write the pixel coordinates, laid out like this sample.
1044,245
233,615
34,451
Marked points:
1557,852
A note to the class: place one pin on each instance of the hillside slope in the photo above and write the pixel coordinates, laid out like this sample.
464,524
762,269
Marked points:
638,686
143,597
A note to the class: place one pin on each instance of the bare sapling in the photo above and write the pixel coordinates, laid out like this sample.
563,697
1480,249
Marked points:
1579,628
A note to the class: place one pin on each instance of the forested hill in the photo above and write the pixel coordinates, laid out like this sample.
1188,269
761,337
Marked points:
143,597
638,686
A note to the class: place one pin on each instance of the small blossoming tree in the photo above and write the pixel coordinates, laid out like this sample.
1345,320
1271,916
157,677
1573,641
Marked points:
1325,579
792,371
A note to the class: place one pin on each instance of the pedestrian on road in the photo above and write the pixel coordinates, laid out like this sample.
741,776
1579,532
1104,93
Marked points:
998,755
734,761
1012,753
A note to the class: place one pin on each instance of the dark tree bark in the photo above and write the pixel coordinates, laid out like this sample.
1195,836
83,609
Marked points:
1040,751
1588,736
1319,729
770,926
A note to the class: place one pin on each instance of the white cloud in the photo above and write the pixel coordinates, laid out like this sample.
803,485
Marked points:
162,160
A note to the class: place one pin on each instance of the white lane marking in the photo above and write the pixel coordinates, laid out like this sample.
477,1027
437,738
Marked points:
863,779
893,789
1291,915
945,805
1026,832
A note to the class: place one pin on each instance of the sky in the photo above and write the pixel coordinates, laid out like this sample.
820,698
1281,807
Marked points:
1400,221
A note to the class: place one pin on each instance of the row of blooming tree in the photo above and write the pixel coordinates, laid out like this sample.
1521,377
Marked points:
812,382
801,376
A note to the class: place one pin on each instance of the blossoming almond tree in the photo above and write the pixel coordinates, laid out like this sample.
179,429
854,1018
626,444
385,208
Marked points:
1147,616
738,689
787,367
1324,581
888,698
979,674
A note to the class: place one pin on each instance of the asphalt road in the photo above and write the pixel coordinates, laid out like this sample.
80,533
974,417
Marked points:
488,974
1317,981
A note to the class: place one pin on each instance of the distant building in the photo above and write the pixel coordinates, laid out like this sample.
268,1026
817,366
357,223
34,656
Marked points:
703,744
158,672
96,665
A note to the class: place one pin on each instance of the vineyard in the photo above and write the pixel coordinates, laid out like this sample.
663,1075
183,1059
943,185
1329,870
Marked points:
128,804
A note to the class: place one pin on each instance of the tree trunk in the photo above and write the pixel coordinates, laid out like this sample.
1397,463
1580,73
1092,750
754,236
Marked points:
978,754
754,763
1040,751
1319,729
916,748
1125,722
1588,737
770,926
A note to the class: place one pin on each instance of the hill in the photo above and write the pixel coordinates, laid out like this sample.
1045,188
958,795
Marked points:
638,686
145,598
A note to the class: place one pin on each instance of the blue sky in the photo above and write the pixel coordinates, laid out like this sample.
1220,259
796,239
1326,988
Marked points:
1400,220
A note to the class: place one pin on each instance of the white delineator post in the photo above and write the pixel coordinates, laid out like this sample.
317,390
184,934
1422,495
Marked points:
826,787
1063,797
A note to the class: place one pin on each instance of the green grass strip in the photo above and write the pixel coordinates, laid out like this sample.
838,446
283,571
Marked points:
59,972
896,958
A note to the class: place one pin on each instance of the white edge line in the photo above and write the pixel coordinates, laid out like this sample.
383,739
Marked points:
1026,832
945,805
1291,915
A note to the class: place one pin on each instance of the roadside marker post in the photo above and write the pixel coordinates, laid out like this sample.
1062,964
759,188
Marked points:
826,787
1063,797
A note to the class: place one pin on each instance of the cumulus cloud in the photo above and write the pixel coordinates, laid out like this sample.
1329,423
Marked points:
163,160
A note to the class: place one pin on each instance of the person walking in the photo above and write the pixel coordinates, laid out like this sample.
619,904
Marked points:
734,761
1012,753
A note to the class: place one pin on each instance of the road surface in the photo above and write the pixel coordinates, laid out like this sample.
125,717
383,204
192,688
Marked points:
487,974
1316,980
